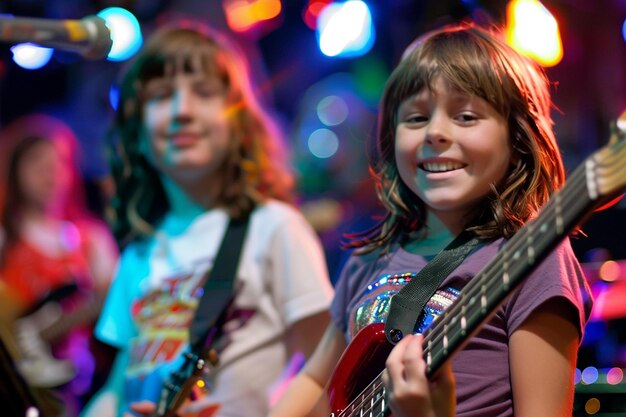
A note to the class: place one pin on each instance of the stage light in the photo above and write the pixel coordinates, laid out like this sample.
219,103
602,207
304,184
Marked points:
345,29
312,12
243,15
533,31
125,33
31,57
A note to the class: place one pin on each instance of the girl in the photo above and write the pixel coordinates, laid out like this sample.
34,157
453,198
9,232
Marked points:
195,149
56,258
465,143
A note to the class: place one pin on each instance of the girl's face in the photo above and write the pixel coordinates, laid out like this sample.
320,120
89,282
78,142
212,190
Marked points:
450,148
43,174
187,126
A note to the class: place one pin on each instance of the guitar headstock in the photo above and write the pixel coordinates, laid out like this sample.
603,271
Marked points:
181,383
606,169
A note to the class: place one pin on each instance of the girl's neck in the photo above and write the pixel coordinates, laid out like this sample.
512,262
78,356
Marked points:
433,238
185,204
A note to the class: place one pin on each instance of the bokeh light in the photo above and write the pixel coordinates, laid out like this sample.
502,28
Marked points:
323,143
614,376
243,15
125,33
609,271
312,12
332,110
345,29
533,31
30,56
592,406
589,375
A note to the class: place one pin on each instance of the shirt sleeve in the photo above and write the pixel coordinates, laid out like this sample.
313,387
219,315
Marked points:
559,276
300,278
115,325
355,275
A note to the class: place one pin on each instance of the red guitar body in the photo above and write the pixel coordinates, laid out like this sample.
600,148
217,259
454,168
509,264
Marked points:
361,363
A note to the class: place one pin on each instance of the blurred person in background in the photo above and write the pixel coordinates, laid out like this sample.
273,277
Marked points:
56,259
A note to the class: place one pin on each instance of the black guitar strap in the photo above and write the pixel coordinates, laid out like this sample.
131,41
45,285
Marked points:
218,287
406,306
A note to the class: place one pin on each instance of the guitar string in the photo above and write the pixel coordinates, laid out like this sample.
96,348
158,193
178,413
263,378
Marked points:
487,276
374,388
367,399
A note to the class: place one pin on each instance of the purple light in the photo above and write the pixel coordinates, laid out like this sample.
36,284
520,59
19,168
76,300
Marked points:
589,375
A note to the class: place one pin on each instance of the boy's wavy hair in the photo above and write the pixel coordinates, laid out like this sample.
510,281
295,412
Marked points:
255,168
476,61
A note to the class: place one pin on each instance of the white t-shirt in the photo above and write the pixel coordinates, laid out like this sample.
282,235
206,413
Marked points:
282,278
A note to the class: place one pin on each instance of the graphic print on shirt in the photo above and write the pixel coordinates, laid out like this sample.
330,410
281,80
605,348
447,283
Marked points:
373,305
164,315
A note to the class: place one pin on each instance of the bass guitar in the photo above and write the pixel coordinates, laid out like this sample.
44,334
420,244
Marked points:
356,387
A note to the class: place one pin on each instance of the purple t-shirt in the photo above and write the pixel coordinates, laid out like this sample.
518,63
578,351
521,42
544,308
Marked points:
481,369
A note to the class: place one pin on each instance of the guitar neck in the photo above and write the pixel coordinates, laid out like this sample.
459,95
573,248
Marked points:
519,256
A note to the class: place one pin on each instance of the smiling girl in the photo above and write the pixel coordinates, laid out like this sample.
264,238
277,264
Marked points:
465,143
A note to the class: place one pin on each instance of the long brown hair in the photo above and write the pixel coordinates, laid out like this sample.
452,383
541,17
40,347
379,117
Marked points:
476,61
256,168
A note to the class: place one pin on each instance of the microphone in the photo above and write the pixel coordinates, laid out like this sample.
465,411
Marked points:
89,37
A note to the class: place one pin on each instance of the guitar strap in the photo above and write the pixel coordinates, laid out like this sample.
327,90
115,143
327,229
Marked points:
218,287
406,306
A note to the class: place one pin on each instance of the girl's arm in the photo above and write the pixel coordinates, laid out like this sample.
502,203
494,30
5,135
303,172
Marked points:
301,339
304,396
304,335
543,353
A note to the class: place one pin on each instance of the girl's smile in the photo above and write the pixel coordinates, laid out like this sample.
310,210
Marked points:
450,147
